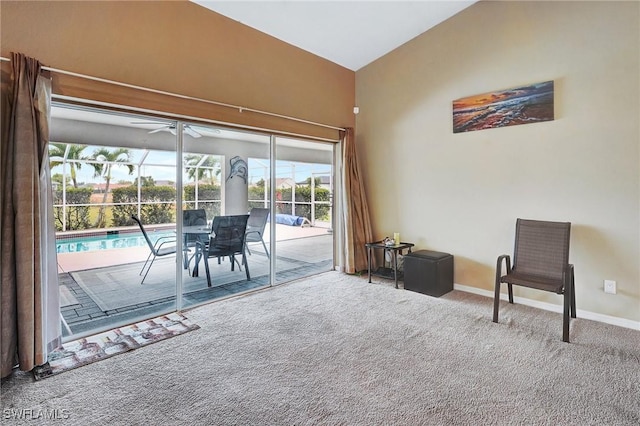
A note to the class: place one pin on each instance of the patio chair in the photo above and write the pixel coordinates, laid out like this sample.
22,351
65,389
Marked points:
215,223
255,228
195,217
540,261
164,246
228,241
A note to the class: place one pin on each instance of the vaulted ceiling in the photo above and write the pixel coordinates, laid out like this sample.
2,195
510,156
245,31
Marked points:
349,33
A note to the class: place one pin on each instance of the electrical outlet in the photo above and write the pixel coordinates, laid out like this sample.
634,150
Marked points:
610,286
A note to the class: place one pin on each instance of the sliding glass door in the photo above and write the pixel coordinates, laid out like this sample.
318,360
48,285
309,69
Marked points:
109,169
139,201
303,208
217,183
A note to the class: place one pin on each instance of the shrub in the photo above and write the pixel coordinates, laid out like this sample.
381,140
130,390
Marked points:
303,195
77,216
157,204
208,198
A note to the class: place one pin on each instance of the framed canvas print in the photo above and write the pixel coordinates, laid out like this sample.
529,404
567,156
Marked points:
520,105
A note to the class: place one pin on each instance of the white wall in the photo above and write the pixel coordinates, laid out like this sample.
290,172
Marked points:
461,193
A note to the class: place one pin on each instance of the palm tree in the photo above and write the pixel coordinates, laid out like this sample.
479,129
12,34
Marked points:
57,157
106,160
145,181
316,181
206,167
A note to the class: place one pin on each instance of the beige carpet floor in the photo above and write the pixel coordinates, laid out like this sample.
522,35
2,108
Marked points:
335,350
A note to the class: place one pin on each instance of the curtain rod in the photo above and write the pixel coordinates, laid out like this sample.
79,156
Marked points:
177,95
89,102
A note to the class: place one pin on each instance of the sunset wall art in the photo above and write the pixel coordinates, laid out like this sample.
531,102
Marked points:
521,105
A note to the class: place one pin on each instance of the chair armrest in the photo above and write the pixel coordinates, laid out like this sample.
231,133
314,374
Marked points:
568,274
203,246
252,232
173,238
160,241
506,259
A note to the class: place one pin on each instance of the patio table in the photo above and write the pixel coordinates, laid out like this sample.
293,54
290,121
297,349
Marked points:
202,233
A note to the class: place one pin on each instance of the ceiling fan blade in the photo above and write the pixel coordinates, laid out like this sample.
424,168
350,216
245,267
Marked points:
150,122
170,127
188,130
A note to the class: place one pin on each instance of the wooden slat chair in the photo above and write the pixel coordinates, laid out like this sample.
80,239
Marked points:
540,261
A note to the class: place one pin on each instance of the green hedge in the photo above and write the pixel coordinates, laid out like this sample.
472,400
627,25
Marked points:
149,213
77,216
257,192
209,198
303,195
158,204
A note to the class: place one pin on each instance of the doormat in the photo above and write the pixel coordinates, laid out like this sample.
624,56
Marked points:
104,345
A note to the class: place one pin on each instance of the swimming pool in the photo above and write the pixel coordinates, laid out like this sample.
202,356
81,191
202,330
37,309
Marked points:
107,241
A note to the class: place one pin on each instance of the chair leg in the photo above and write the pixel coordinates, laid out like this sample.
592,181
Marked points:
196,256
145,263
265,249
148,269
573,295
565,314
496,301
185,259
510,288
246,266
569,310
233,260
206,268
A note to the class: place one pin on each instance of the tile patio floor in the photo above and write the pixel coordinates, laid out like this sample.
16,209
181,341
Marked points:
310,255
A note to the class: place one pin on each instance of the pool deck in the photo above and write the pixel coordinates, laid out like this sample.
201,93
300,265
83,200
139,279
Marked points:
82,260
83,316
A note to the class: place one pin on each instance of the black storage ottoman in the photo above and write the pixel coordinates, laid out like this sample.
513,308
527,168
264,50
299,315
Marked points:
428,272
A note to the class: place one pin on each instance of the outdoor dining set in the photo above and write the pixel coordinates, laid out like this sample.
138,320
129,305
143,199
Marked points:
222,237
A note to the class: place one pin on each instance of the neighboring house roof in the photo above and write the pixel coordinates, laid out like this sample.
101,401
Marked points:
284,183
324,181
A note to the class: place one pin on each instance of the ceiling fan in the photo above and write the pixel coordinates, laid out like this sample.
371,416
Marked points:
170,128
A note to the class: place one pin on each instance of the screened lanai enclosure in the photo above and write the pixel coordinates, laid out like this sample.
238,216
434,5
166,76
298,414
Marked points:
109,168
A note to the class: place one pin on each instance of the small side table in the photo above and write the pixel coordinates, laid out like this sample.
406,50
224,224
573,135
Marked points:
395,249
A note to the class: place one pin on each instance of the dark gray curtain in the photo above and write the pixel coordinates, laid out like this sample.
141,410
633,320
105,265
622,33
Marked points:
357,221
29,299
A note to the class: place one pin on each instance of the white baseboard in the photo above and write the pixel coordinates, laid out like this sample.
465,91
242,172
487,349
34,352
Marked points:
607,319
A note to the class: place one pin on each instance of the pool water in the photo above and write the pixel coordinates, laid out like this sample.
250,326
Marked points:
106,242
